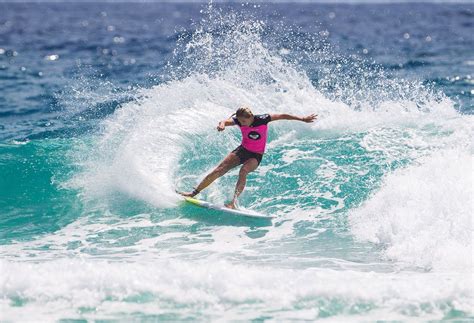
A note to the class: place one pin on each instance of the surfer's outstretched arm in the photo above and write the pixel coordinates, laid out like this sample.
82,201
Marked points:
284,116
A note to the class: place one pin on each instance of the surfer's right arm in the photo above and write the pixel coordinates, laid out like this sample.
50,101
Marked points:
225,123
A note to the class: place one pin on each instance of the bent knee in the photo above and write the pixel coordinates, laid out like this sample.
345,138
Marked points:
245,170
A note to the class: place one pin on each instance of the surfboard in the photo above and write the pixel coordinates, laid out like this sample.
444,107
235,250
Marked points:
222,208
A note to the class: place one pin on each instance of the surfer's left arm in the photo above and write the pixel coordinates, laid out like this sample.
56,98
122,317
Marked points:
284,116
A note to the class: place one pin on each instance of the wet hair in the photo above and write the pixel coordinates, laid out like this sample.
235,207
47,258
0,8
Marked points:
243,112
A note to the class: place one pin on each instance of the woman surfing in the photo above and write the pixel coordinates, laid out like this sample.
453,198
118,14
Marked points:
250,152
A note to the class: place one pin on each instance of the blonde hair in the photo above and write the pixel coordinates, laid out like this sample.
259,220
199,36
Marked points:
243,112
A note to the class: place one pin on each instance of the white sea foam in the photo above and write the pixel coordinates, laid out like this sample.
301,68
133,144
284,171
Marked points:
423,213
221,290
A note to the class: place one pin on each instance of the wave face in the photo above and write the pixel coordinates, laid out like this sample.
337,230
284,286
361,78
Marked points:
373,200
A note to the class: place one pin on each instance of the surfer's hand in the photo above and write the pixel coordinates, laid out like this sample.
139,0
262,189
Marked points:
221,126
310,118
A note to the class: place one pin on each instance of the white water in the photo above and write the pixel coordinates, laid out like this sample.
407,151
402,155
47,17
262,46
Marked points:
423,213
217,289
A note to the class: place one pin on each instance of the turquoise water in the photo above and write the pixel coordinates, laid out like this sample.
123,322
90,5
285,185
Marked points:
372,201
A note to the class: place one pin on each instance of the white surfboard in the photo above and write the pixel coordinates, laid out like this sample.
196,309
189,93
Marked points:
222,208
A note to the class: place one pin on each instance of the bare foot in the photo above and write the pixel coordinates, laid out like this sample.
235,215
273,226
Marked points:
189,194
230,205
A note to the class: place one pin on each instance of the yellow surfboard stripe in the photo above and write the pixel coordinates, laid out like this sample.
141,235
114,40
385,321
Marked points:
191,200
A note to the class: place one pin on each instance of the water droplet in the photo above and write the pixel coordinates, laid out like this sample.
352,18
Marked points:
11,53
52,57
332,15
324,33
406,35
428,38
119,40
110,28
284,51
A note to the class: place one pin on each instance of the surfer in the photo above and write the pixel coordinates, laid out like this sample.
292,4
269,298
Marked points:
250,152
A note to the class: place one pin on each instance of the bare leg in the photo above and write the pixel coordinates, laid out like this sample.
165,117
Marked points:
231,161
249,166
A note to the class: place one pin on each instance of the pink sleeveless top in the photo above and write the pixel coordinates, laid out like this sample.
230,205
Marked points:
254,137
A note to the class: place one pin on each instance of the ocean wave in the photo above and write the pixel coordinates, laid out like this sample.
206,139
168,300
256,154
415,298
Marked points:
422,214
217,289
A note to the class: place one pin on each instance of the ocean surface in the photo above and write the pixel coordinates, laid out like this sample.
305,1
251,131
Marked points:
106,109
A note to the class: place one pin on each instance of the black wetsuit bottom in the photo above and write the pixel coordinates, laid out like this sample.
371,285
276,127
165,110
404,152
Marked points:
245,154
